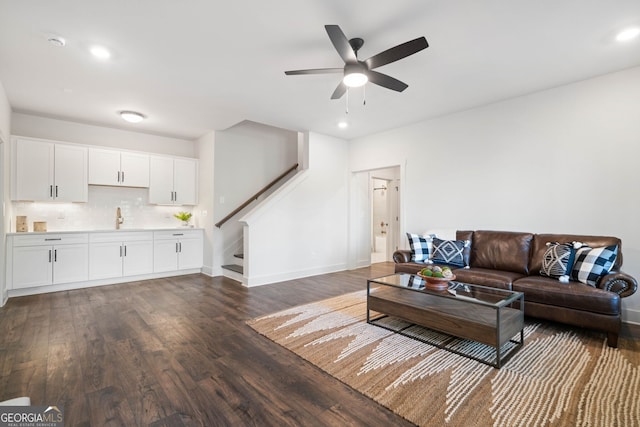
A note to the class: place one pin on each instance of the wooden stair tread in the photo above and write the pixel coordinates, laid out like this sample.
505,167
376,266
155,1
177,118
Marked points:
234,267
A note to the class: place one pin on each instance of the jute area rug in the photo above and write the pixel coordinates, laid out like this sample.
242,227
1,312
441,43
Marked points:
561,377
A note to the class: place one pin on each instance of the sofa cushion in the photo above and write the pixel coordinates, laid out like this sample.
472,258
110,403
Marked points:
465,235
420,247
558,261
449,252
593,263
539,246
501,250
574,295
486,277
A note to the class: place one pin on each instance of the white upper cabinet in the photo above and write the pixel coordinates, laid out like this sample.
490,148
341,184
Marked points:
109,167
48,171
173,181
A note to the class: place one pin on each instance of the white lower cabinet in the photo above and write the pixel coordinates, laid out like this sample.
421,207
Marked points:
40,260
120,254
177,250
35,260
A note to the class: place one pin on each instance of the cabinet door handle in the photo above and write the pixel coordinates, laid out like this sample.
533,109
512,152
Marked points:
120,251
118,176
51,191
125,250
123,177
176,247
56,191
50,239
175,196
180,246
55,255
49,255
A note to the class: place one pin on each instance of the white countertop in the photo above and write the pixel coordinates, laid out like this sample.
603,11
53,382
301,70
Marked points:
122,230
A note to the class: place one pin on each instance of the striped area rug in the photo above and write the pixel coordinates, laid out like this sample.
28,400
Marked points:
561,377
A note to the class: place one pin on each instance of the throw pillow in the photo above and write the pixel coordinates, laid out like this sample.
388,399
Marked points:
449,251
593,263
558,261
420,247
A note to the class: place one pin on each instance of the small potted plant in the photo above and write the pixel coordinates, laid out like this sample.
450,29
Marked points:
184,217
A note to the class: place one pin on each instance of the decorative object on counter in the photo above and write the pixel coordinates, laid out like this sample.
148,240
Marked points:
184,217
39,226
21,224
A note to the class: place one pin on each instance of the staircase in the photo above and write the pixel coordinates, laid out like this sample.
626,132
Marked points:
235,267
235,270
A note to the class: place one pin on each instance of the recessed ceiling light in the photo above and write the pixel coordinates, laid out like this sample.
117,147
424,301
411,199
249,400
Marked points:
100,52
628,34
57,41
343,125
132,116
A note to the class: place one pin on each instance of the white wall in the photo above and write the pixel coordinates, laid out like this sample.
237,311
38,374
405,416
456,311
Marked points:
205,151
79,133
301,229
5,131
564,160
247,157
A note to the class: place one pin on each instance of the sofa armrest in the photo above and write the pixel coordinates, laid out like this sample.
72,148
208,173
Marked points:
402,256
620,283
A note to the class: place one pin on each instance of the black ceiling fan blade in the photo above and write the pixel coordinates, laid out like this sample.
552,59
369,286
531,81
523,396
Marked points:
386,81
340,90
314,71
397,52
341,43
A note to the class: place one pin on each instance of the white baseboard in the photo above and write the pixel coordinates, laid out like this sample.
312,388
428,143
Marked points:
94,283
630,315
207,270
292,275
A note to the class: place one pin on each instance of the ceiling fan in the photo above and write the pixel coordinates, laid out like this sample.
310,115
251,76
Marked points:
357,73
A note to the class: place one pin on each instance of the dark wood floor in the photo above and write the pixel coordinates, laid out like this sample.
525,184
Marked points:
173,352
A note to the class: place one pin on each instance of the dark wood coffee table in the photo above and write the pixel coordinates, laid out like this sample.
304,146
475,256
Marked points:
486,315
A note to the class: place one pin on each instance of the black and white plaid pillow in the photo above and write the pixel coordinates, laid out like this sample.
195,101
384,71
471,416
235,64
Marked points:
420,247
558,261
449,251
593,263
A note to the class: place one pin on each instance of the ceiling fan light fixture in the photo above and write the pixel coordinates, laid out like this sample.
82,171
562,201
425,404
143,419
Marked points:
356,79
132,116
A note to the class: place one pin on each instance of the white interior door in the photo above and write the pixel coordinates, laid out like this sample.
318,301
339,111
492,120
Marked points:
393,236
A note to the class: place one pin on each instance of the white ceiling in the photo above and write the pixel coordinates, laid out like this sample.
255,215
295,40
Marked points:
198,65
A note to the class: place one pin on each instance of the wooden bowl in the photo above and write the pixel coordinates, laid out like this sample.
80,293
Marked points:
437,283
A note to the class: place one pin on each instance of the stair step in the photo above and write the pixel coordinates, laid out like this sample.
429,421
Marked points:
234,267
241,256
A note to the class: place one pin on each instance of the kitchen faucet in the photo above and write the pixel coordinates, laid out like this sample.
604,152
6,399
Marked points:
119,218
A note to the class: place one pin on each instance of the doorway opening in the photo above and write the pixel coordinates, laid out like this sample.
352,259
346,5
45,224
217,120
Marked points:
384,192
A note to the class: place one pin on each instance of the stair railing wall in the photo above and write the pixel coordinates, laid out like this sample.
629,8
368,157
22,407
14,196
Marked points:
256,196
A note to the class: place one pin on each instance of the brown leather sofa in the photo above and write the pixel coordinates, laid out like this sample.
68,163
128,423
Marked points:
512,260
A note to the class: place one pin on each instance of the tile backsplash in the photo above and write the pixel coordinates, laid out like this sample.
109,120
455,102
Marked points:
99,213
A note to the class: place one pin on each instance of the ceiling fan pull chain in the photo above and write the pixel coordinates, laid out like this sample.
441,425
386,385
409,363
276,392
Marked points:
347,102
364,95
